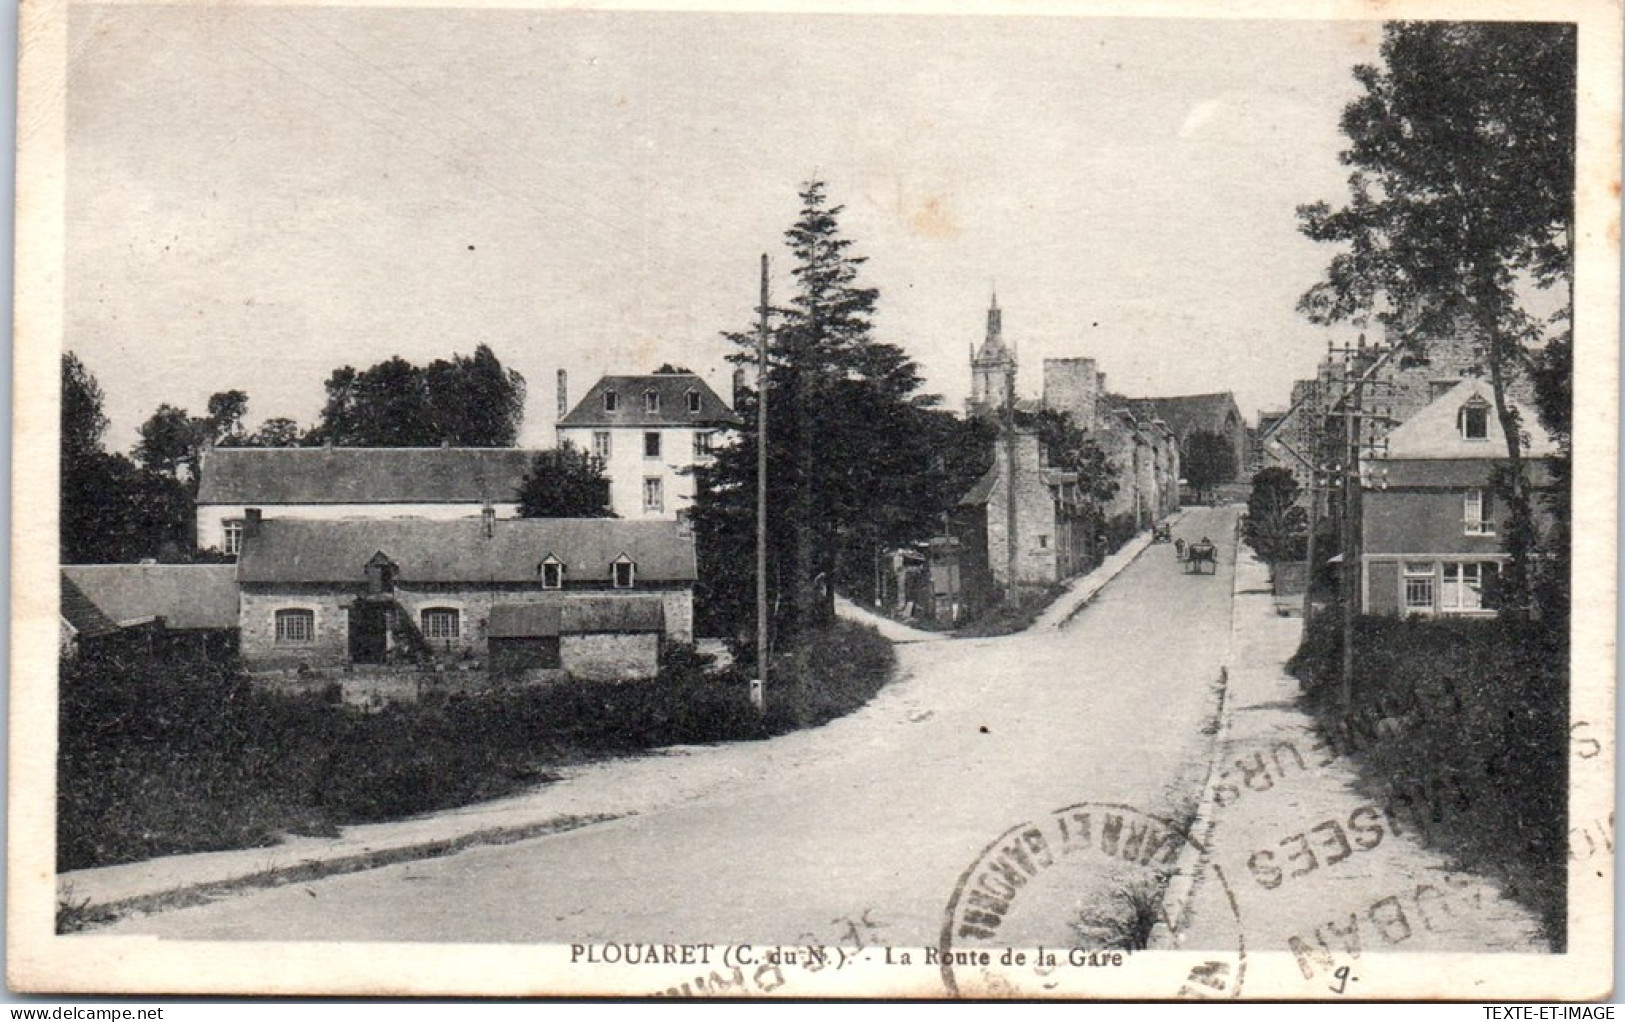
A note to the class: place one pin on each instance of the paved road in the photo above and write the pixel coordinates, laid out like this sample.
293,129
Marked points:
872,831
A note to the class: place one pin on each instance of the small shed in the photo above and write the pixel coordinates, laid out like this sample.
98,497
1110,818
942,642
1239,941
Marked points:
592,638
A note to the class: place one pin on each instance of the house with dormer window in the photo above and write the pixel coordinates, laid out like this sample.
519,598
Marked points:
595,598
650,432
1432,523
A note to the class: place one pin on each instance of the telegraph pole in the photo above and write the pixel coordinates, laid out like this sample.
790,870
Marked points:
1010,544
758,692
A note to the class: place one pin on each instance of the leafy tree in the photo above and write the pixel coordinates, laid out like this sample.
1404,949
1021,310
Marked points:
170,440
1462,148
470,401
277,432
848,446
565,482
1277,528
225,420
1207,460
667,369
1071,449
111,510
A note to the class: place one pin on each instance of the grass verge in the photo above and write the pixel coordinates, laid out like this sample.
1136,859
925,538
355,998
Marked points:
1461,728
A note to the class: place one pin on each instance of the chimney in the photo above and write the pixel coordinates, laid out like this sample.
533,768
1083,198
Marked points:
739,384
564,394
251,522
488,515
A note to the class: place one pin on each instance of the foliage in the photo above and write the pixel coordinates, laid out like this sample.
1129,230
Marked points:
1071,449
276,432
1277,528
1462,148
1461,729
173,440
469,401
565,482
158,757
111,509
858,461
1207,460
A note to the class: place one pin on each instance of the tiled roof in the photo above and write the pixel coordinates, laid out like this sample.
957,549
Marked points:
459,551
576,615
363,475
184,595
983,490
631,408
86,618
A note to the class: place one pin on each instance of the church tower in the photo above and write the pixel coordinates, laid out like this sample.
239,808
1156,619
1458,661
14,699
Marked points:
992,368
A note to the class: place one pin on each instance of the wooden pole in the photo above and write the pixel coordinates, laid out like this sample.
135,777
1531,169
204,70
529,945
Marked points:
759,693
1010,521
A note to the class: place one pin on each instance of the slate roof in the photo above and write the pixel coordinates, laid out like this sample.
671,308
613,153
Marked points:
459,551
185,595
1188,413
86,618
673,389
1432,433
574,615
363,475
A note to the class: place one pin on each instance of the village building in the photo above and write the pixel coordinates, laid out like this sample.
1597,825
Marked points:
650,432
594,597
187,610
1431,522
338,483
1189,414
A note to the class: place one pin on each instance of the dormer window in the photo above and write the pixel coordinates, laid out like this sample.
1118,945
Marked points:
552,572
1473,420
693,402
612,401
651,402
624,572
381,574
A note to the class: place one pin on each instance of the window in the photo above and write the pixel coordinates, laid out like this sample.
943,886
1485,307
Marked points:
1419,578
702,443
234,536
296,625
1476,514
1043,542
693,402
612,401
651,445
1464,586
653,494
441,623
600,444
1474,419
623,572
552,573
651,402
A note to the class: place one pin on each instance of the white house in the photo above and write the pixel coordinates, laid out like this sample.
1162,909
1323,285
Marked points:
649,431
436,483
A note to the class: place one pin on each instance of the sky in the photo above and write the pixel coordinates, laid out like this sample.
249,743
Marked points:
257,195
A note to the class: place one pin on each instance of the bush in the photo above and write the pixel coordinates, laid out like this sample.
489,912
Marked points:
157,758
1465,722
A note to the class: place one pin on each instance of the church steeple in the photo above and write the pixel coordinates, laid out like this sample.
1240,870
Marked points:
991,366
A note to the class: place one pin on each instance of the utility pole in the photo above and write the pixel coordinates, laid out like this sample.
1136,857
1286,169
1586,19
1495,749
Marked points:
1010,481
758,694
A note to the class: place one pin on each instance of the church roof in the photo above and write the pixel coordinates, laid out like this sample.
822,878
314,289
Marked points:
1189,413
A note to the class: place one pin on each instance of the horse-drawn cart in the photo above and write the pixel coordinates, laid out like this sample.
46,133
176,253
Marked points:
1200,553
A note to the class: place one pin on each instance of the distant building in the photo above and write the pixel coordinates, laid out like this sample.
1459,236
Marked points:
1053,530
1431,523
650,432
337,483
594,597
1189,414
992,368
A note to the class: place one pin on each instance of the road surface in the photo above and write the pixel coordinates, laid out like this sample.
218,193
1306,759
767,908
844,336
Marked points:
870,830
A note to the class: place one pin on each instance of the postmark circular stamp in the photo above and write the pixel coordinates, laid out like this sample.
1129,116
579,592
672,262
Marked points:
1069,904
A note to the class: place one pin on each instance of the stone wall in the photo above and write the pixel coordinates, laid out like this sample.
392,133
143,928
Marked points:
1036,534
1073,385
610,657
329,645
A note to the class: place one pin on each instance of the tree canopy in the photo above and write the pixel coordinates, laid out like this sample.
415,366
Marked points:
1462,204
1207,460
565,482
1277,527
469,401
858,460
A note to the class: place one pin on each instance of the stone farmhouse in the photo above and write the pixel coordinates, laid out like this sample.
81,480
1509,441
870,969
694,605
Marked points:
336,483
650,432
593,597
185,610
